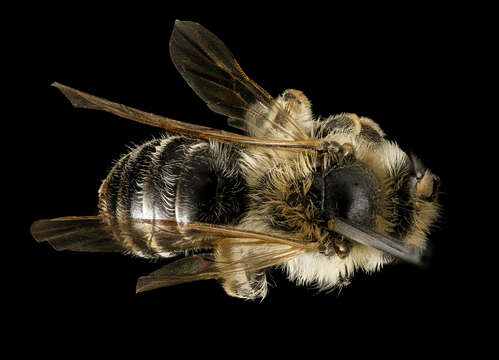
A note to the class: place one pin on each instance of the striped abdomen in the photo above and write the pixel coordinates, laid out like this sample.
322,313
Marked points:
175,178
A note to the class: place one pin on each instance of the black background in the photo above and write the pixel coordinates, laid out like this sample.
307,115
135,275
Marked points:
406,69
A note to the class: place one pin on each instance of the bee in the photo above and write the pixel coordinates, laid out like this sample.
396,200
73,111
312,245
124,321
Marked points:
317,197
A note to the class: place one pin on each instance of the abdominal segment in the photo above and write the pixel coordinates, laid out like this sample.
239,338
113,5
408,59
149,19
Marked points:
173,178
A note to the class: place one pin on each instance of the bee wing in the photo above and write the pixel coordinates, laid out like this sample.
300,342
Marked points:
76,233
378,241
255,251
93,234
96,234
211,70
206,266
80,99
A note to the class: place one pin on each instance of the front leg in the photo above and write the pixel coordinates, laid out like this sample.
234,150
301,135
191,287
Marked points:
334,244
335,155
351,125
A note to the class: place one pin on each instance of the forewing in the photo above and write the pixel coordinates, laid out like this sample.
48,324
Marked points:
81,99
96,234
211,70
85,233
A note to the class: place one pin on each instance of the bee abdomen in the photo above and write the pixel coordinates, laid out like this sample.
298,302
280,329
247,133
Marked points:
141,185
211,187
175,178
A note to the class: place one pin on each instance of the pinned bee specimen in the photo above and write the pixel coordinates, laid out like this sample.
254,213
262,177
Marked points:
317,197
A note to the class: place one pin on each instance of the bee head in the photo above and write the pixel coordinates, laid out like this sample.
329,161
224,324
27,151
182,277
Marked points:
409,196
393,195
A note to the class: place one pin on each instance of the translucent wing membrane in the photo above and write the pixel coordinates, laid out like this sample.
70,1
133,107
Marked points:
89,233
92,233
211,70
81,99
205,266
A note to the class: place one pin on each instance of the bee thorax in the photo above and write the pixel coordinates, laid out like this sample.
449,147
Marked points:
349,192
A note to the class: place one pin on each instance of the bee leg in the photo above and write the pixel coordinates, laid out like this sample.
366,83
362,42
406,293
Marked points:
341,246
326,244
297,96
326,248
340,154
335,244
343,281
347,153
